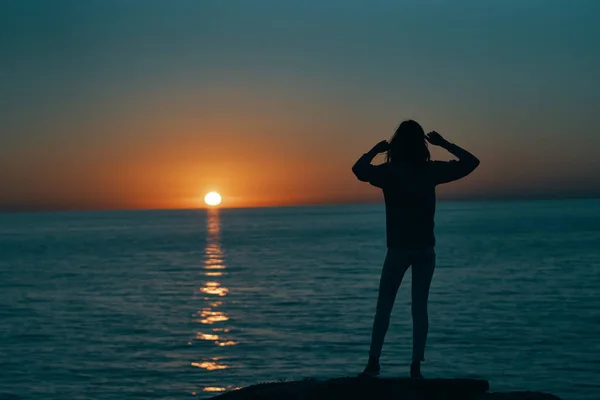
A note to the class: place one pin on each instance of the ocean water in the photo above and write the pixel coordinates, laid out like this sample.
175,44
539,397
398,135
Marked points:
177,304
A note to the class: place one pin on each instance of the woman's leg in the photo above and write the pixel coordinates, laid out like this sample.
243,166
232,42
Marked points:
422,272
394,267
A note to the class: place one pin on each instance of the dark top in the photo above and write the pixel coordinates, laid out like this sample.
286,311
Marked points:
409,192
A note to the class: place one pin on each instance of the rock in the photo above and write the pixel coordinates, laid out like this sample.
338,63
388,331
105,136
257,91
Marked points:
519,396
374,389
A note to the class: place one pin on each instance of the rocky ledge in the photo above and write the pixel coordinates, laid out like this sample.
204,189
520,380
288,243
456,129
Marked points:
375,389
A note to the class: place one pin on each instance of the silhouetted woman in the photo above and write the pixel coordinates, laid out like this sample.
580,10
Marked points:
408,180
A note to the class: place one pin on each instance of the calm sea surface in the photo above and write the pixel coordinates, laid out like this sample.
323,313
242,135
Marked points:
172,304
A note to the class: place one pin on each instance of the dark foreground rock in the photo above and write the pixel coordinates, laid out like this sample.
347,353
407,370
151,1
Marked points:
376,389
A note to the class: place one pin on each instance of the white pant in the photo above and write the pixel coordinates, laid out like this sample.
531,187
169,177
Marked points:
395,265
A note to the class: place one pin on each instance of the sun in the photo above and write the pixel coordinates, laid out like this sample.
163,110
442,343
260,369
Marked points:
212,199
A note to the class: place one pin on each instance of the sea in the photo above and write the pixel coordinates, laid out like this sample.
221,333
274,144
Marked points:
192,303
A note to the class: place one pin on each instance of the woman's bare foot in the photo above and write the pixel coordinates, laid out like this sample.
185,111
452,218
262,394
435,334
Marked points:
415,370
372,368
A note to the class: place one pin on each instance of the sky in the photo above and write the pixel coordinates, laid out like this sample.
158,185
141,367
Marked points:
151,104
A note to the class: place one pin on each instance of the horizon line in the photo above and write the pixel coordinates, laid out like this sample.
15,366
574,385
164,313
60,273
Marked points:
313,204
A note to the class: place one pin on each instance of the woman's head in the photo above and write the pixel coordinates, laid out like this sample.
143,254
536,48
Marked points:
408,144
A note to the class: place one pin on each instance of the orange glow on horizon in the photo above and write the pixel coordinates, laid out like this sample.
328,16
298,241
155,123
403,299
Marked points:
177,175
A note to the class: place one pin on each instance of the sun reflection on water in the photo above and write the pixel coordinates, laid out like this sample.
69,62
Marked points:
214,266
219,389
214,389
212,311
209,366
206,336
210,317
228,343
213,288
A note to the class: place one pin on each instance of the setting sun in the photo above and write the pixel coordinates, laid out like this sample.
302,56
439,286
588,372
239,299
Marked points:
212,199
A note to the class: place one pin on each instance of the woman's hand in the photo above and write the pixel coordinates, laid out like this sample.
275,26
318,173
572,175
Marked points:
380,147
436,139
363,169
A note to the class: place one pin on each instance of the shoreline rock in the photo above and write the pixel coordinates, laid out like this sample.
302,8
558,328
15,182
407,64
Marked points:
379,388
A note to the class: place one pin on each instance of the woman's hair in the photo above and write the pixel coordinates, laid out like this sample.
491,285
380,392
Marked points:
408,144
